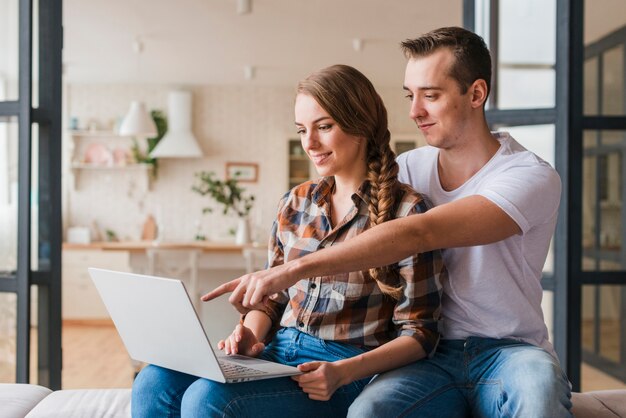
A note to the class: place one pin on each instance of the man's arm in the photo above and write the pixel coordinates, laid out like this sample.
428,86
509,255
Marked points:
470,221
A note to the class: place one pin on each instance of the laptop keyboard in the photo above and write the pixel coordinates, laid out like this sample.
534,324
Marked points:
231,370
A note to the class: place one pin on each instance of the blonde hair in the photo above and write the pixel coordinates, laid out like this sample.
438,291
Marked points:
351,100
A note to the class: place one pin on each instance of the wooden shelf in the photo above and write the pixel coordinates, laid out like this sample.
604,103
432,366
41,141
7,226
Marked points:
95,133
81,139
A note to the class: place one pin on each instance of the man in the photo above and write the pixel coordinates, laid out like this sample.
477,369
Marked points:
495,212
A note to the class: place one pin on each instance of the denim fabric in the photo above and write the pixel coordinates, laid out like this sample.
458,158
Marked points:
477,377
159,392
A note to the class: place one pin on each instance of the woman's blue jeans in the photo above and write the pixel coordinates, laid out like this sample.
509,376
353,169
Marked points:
160,392
477,377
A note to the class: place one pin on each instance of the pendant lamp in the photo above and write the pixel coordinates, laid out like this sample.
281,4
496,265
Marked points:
138,122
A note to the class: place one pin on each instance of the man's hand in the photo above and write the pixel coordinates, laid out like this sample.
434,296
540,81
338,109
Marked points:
320,379
242,341
252,290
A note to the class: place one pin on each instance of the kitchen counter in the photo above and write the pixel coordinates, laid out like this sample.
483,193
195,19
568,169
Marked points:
207,246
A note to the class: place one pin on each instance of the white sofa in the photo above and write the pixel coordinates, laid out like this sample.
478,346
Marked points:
32,401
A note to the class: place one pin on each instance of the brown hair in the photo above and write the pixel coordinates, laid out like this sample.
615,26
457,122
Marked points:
351,100
472,59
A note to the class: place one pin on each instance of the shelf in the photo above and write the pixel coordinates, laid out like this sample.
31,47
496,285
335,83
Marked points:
299,158
86,166
100,134
300,166
111,143
144,169
298,179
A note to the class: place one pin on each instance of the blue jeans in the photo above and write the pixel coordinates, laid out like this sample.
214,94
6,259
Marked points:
478,377
160,392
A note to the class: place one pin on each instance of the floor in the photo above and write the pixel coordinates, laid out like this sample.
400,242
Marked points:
95,357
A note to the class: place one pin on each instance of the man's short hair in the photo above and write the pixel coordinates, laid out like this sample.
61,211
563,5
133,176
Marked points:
472,58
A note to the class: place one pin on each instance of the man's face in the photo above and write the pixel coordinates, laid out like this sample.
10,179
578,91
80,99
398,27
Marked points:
438,108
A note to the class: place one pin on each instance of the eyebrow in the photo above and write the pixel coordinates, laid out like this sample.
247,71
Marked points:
315,121
423,88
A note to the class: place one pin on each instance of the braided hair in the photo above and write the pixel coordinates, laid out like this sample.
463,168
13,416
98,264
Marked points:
351,100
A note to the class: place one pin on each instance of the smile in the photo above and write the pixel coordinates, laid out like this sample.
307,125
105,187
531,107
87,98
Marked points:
424,126
319,159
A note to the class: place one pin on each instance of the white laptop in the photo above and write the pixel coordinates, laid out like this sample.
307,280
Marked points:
158,324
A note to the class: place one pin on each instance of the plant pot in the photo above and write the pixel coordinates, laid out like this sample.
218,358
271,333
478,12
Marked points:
243,231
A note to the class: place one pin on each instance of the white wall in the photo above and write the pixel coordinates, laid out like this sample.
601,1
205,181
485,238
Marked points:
231,123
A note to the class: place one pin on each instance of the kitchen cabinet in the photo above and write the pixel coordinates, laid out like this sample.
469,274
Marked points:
80,297
300,168
100,152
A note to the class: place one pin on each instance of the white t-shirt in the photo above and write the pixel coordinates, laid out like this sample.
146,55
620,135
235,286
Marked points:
494,290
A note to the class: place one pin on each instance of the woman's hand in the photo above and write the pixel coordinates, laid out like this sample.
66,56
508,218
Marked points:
321,379
242,341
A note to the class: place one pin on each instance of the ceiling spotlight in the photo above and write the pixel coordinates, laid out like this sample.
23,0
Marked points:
248,72
357,44
244,7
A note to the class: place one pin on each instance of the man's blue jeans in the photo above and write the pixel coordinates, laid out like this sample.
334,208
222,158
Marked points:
477,377
159,392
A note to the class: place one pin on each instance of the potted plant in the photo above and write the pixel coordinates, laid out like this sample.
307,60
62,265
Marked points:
161,123
231,196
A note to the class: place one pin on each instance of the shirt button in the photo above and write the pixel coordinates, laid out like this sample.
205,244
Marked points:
301,324
313,285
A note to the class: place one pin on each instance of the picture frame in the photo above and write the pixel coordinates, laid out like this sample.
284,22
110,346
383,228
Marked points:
243,172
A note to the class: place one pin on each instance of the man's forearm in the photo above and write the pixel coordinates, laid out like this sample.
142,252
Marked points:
466,222
379,246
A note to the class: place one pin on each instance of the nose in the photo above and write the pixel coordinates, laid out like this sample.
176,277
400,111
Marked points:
309,140
417,109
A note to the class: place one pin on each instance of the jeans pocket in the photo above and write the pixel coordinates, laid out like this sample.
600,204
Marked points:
340,350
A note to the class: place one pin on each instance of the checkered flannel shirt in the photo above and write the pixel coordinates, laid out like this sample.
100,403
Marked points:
350,307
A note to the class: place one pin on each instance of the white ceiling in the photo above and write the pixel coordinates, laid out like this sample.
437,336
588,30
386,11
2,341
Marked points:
207,42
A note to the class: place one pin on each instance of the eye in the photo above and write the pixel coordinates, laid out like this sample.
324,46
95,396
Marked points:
408,96
300,131
430,96
325,127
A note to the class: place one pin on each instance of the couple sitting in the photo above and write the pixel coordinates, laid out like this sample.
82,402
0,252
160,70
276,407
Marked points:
344,313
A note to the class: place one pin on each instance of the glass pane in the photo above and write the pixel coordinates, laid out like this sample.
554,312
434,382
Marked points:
603,222
526,75
8,196
613,81
9,73
40,239
35,54
8,332
605,43
590,104
525,88
603,332
34,295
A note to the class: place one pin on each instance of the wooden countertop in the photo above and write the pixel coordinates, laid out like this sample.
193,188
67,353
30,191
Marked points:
208,246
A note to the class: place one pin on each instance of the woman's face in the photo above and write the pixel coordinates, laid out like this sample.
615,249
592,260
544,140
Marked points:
333,152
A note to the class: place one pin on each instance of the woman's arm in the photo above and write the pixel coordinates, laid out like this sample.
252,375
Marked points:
247,338
321,379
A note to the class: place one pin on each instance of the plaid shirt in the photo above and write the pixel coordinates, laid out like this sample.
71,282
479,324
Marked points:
350,307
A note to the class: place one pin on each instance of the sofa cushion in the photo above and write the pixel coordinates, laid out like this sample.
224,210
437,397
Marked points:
17,400
81,403
599,404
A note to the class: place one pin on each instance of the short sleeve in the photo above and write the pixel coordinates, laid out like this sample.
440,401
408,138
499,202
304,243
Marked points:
529,194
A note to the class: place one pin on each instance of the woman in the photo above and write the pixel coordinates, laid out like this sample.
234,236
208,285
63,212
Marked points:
340,330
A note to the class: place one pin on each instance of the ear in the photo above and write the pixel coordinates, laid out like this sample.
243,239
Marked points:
478,93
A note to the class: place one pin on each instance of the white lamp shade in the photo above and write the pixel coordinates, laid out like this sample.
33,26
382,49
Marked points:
179,141
138,122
